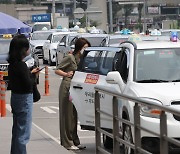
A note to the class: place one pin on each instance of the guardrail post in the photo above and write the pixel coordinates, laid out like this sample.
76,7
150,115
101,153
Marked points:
137,132
116,149
97,121
163,132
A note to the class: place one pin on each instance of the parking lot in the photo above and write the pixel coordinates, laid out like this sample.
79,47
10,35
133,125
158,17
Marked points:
46,116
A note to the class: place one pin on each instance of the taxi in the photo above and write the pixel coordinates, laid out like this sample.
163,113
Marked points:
4,50
145,69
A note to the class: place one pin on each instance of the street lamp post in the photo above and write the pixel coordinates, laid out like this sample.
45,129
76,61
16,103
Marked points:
144,27
110,17
53,13
74,1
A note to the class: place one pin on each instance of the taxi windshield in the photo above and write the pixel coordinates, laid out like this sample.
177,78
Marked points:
95,41
157,65
40,36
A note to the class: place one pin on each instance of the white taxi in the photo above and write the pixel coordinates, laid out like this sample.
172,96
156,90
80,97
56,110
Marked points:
50,47
145,69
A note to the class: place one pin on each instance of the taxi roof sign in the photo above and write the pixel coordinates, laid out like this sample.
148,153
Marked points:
134,38
7,36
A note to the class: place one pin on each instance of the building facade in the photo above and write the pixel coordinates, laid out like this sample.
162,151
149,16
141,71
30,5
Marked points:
153,13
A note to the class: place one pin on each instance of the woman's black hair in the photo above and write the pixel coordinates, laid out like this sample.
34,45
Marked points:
18,48
79,45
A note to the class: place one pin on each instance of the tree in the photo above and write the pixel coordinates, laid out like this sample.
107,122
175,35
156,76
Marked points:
127,11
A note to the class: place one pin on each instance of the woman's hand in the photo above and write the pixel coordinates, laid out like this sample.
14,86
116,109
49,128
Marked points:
35,70
69,74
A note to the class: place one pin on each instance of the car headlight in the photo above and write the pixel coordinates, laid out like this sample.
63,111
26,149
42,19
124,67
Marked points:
149,111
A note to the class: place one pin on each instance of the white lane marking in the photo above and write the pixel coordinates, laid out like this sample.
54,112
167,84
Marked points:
54,107
49,135
47,109
40,103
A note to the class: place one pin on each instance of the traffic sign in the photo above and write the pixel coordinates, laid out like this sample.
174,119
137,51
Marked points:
78,13
41,18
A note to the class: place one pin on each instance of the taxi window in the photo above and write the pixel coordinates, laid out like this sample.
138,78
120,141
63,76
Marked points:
64,39
122,64
40,36
98,62
57,38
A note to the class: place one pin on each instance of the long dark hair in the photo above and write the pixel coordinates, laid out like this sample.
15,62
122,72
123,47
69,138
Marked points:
79,44
18,48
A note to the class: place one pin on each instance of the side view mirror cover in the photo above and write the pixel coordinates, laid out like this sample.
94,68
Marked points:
114,77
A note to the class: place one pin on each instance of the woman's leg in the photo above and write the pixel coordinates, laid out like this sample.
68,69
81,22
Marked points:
22,121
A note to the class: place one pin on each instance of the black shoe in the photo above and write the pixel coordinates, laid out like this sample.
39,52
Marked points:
81,147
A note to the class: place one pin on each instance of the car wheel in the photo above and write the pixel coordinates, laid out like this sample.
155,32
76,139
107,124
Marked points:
45,61
107,142
127,136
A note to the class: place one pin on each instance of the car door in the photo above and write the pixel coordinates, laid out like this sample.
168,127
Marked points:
46,47
91,72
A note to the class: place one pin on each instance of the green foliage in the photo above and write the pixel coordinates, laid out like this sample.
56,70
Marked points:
139,26
94,23
83,21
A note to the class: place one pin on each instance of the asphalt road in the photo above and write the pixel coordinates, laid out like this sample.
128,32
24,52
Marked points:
46,113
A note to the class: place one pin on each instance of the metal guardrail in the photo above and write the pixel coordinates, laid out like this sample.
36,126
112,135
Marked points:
136,146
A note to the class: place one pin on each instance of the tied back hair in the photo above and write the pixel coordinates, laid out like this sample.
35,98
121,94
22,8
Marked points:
79,45
18,48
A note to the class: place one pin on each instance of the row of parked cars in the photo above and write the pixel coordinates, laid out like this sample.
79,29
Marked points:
51,45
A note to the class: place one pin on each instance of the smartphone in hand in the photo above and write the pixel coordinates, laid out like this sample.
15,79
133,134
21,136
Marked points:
40,69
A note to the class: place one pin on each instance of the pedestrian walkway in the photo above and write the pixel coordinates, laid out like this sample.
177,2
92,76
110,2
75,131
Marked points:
40,143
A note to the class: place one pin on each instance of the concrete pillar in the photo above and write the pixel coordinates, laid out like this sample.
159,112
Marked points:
103,7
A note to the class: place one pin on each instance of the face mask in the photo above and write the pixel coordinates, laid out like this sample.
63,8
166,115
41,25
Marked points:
82,51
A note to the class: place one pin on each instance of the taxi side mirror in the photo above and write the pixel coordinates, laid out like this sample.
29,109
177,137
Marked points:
114,77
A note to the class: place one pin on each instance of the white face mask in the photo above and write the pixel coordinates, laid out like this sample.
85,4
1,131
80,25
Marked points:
82,51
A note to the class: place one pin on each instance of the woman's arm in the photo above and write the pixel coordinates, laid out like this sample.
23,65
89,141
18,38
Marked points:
65,63
64,74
